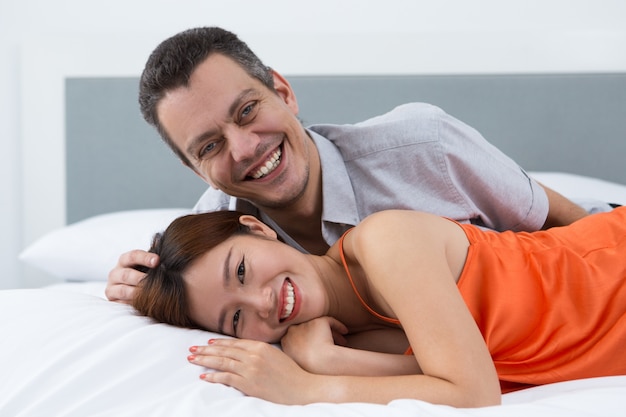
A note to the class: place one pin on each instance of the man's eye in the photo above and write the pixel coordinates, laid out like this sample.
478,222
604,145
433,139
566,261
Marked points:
206,149
236,321
241,271
247,110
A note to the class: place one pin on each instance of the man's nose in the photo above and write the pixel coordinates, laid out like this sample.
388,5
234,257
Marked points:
242,144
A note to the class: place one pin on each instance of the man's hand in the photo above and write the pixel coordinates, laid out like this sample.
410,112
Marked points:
128,273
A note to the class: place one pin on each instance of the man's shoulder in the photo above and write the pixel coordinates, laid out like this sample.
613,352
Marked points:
407,124
213,200
216,200
408,112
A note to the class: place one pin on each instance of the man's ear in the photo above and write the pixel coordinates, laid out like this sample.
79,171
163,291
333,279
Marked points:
284,90
256,226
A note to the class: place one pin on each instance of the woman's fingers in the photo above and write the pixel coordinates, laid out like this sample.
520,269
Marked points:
228,355
255,368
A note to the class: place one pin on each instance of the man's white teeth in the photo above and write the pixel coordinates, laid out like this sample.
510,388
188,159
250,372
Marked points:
290,299
269,166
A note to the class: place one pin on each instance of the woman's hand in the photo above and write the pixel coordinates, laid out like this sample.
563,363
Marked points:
255,368
318,346
312,344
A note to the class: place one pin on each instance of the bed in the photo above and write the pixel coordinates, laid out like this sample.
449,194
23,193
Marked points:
67,351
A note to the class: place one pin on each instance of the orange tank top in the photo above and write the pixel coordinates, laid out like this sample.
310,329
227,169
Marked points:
551,305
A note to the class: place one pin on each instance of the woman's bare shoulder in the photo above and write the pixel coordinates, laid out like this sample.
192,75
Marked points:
389,224
422,237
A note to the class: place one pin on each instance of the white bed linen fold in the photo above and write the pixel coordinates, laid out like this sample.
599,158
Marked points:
68,352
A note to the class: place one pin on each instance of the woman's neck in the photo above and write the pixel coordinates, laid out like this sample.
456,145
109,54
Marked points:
342,302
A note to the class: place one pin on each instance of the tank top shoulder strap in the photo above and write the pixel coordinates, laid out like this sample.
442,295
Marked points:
363,303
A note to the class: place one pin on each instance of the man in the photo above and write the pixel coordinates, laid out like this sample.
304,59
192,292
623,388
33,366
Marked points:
233,121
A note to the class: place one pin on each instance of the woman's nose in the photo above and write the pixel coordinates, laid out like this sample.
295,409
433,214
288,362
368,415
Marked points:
264,302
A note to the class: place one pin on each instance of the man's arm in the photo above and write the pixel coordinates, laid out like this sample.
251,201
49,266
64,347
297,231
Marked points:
561,210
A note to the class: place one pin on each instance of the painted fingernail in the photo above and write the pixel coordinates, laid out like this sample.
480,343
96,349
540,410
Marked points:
203,376
191,358
193,349
211,341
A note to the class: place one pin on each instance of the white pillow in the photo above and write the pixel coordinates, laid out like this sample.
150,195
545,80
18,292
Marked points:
69,354
581,189
89,249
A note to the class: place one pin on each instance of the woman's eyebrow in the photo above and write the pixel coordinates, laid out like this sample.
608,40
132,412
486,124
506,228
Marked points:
225,280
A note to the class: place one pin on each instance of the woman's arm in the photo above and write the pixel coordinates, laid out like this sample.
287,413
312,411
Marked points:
314,346
261,370
358,362
411,262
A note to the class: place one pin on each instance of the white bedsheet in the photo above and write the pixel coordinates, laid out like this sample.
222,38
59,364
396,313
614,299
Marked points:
66,351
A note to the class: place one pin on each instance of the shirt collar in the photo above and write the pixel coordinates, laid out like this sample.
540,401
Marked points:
339,209
339,203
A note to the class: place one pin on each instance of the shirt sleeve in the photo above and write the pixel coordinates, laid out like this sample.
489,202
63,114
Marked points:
215,200
501,193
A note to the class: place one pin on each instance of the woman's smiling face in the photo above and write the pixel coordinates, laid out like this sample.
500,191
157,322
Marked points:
253,287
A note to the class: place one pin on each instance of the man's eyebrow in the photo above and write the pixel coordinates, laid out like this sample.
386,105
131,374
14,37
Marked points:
241,97
226,279
197,141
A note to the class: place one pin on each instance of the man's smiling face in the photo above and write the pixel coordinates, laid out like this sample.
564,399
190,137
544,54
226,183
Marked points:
240,137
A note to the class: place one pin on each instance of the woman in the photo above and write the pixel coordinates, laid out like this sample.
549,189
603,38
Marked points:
479,311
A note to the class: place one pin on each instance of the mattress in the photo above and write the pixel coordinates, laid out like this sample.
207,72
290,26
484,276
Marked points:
67,351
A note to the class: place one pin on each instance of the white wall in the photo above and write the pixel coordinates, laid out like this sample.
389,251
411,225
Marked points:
42,41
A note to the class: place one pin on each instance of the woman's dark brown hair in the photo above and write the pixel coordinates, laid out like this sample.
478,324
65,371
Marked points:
161,294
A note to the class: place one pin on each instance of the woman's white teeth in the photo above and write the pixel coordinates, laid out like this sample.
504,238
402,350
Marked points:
270,165
290,299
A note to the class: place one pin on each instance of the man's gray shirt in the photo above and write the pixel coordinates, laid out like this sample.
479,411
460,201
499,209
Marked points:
414,157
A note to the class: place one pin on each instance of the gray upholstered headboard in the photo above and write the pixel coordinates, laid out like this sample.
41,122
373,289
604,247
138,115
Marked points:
570,123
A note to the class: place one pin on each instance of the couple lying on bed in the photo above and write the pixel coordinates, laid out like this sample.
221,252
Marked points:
347,319
404,305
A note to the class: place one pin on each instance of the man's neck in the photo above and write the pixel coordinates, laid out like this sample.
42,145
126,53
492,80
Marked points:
302,220
306,230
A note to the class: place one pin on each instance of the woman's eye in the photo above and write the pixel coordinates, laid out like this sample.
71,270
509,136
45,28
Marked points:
236,321
241,271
